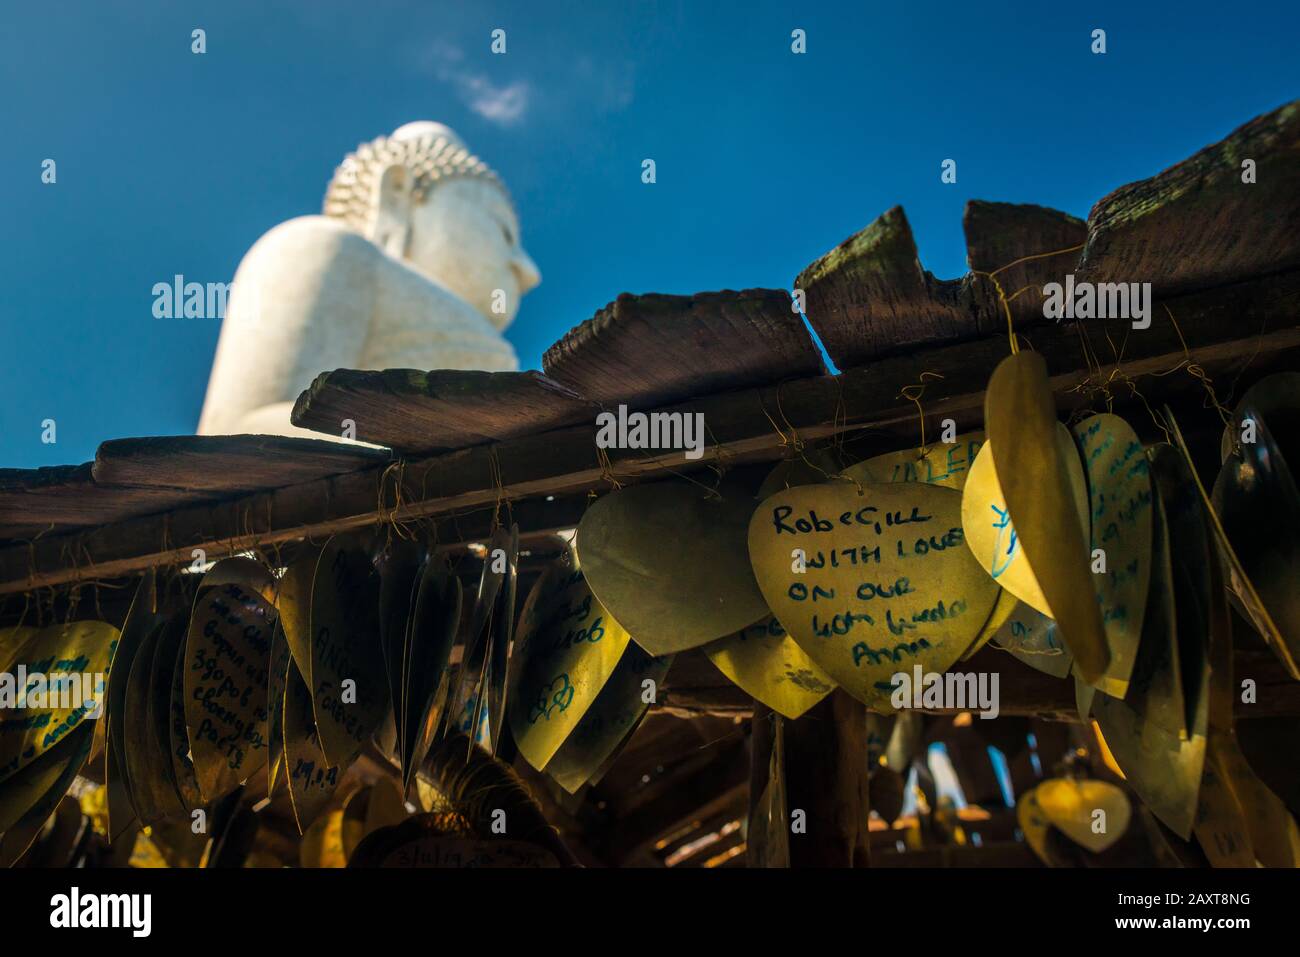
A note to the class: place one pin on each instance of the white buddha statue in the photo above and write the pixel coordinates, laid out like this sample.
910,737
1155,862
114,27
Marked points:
415,264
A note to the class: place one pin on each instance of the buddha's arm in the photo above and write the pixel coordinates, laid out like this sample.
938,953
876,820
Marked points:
302,304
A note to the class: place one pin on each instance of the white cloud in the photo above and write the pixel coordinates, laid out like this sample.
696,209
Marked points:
504,104
500,104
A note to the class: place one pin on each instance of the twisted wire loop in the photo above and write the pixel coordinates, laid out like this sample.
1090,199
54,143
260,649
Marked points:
1003,300
914,393
494,464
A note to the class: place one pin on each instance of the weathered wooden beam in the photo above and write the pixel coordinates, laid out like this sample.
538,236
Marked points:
1200,223
650,350
826,778
999,238
226,464
44,501
421,412
870,297
747,425
720,782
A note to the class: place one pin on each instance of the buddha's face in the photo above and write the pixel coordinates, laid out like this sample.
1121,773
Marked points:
465,237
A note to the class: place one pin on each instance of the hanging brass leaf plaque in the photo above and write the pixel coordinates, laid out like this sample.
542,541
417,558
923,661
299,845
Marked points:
145,757
187,783
435,618
769,666
311,780
399,578
1003,608
1031,636
1033,824
1157,670
1198,600
1257,501
1238,579
67,757
944,463
57,679
1093,814
671,561
277,677
322,843
569,646
1163,770
228,652
618,709
293,605
887,581
148,611
1220,827
1034,477
348,681
1119,495
993,536
33,785
1272,830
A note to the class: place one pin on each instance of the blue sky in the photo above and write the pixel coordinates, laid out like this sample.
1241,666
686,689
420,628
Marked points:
170,162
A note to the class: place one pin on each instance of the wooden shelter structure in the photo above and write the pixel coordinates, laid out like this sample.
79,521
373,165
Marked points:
459,452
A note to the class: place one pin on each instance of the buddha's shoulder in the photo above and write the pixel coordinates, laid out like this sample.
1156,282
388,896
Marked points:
310,242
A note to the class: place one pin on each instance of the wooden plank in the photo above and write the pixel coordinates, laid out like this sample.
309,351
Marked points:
39,501
719,780
749,425
655,349
420,412
663,750
1197,224
998,236
226,464
694,685
826,778
869,297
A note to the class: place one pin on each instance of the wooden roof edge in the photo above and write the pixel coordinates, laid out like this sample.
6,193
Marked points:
111,450
603,317
746,425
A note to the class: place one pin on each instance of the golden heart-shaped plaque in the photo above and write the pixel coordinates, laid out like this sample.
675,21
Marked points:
887,582
1093,814
769,666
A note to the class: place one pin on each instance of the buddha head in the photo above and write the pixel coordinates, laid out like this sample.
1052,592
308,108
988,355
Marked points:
422,197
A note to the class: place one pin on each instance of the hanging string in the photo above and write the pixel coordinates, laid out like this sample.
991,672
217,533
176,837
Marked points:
606,469
275,545
1196,371
914,393
793,442
388,517
494,465
839,424
1003,300
720,456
